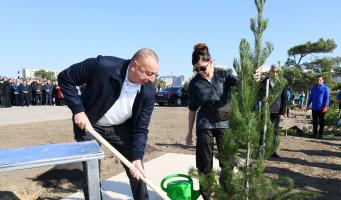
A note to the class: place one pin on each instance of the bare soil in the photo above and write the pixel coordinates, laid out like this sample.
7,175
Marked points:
312,163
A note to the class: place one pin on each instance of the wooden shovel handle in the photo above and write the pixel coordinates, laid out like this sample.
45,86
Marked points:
127,163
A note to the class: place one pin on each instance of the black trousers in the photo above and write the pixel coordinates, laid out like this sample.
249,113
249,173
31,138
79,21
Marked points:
7,100
204,152
25,99
38,99
318,118
48,98
120,139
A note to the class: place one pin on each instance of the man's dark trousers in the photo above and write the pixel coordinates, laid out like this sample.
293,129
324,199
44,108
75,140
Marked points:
274,117
120,139
318,118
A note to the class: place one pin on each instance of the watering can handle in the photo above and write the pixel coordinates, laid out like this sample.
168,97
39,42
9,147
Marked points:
172,176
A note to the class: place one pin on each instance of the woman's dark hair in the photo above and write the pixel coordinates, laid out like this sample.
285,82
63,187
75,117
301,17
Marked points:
200,52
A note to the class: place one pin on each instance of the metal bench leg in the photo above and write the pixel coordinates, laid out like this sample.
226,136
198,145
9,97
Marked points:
93,180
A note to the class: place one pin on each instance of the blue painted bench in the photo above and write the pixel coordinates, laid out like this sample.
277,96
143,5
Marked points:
56,154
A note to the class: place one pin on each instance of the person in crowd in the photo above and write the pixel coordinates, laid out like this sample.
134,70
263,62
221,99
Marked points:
38,90
277,108
301,100
209,93
6,92
43,94
29,83
289,95
16,93
48,87
319,101
33,83
117,102
1,92
338,99
25,90
12,97
54,92
59,96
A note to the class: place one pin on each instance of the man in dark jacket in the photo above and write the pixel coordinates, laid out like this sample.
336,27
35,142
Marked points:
278,107
117,102
6,89
48,87
38,90
25,91
1,92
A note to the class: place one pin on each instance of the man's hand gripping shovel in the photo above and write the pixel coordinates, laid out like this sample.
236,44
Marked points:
127,163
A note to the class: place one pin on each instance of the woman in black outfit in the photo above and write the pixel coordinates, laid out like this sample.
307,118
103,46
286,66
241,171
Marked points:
209,93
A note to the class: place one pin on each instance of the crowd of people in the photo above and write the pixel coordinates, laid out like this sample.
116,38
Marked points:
27,92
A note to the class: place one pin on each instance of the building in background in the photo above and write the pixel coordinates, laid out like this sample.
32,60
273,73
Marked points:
178,81
29,72
173,81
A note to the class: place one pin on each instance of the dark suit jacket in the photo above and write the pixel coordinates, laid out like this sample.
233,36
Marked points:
104,77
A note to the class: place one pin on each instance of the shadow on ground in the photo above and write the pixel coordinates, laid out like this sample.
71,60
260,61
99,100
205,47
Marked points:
326,143
6,195
329,166
316,152
62,179
330,188
177,145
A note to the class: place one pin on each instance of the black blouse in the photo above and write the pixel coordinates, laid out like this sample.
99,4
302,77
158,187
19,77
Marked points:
208,95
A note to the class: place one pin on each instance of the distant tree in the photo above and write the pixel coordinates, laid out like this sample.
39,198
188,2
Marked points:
297,53
336,87
186,84
325,67
297,80
301,70
41,74
337,66
159,83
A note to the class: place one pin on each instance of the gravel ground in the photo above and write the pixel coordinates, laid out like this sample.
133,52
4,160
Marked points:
311,163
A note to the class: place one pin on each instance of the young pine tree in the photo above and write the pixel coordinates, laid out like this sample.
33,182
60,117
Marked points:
242,175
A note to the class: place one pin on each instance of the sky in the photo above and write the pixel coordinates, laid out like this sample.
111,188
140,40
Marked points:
56,34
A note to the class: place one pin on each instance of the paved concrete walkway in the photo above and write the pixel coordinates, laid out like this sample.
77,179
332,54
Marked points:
22,115
118,188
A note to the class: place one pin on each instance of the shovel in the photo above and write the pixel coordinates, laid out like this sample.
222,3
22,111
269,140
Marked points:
305,114
127,163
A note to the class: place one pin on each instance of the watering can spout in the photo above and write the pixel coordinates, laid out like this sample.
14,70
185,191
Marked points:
195,194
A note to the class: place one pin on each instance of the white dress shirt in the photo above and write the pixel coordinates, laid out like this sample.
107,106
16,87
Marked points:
123,107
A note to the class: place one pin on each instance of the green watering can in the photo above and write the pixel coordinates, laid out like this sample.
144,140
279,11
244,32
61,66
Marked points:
180,189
